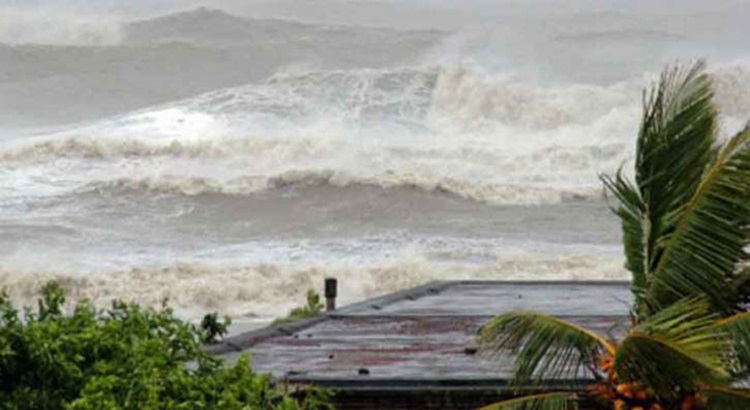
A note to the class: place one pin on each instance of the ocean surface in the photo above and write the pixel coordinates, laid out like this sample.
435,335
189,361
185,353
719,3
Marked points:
228,158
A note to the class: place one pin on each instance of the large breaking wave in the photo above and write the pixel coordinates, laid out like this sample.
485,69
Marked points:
447,128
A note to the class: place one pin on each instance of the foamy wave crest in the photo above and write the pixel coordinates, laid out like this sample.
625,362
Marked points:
447,99
88,147
269,291
449,128
446,128
464,98
467,100
490,193
732,83
246,166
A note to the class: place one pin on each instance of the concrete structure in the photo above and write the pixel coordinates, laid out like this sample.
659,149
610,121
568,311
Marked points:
416,348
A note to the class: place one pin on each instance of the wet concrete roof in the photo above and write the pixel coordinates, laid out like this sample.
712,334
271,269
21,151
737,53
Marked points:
423,336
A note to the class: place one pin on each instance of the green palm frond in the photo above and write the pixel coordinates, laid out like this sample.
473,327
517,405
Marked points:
685,217
635,226
544,401
675,142
673,147
727,399
738,327
679,347
545,346
703,252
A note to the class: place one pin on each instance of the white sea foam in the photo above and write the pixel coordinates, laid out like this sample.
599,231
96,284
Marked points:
447,128
436,128
270,290
732,84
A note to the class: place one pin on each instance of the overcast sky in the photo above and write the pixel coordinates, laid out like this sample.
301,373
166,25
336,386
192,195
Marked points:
69,21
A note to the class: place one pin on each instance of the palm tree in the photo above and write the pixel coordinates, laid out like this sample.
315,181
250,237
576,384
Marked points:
686,224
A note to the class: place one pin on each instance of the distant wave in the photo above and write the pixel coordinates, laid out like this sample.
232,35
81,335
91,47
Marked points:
246,166
214,27
491,193
612,37
200,26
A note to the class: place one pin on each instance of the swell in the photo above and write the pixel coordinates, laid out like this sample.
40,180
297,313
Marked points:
248,166
492,193
214,27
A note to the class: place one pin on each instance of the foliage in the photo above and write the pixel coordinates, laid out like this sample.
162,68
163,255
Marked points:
685,221
685,216
680,358
313,308
547,347
543,401
124,357
212,328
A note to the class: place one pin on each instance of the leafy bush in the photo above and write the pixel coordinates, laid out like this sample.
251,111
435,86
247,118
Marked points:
124,357
313,308
213,328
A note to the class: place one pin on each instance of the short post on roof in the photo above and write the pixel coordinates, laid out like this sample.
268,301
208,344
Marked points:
330,293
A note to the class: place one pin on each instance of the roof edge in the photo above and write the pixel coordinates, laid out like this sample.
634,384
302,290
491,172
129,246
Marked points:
248,339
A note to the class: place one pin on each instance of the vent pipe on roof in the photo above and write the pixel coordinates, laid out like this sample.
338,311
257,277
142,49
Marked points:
331,290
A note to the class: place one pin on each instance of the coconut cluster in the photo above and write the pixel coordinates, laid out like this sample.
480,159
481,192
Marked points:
637,396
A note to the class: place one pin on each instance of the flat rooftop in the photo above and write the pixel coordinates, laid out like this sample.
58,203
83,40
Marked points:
421,338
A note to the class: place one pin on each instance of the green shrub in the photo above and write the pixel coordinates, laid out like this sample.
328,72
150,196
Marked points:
124,357
313,308
212,328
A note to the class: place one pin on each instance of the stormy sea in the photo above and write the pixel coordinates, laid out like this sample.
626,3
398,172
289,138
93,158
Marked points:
229,155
